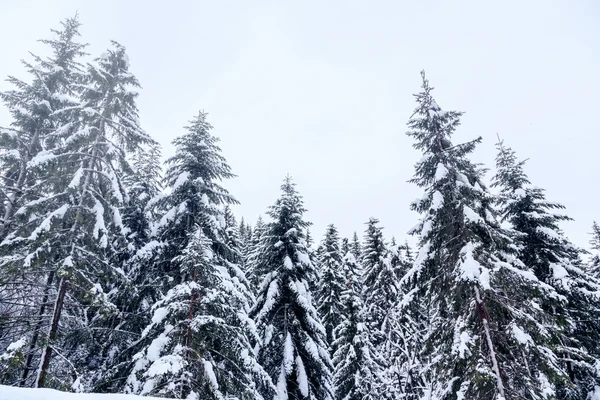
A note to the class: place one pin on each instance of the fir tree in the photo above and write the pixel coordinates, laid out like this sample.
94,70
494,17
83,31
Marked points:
554,261
200,352
595,242
331,284
27,147
355,369
396,259
254,270
293,348
35,107
380,284
191,268
356,247
482,332
75,226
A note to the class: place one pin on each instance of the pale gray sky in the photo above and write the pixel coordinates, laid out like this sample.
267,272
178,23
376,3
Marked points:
323,90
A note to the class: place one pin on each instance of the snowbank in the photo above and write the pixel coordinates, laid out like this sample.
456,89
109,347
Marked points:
16,393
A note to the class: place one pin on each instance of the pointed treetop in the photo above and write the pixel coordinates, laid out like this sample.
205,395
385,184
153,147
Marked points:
595,241
510,175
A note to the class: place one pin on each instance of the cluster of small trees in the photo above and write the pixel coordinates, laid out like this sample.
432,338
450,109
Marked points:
117,277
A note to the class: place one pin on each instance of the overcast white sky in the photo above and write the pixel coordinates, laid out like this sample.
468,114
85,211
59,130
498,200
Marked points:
323,90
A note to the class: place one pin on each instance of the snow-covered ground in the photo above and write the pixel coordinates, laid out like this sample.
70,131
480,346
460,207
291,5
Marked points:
15,393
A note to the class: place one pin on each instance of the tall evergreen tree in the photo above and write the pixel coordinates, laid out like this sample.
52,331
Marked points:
396,258
197,343
595,242
554,261
35,108
75,225
27,147
293,348
356,247
483,334
331,284
355,369
380,284
254,270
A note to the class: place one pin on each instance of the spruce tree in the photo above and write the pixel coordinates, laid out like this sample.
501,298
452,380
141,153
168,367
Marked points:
356,247
331,284
379,284
254,270
293,348
36,110
197,342
74,226
397,259
355,369
554,261
28,147
483,334
595,242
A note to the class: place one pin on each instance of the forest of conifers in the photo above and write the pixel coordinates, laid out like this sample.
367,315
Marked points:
123,274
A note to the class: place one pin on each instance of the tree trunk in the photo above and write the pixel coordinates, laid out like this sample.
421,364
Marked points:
483,314
36,330
47,353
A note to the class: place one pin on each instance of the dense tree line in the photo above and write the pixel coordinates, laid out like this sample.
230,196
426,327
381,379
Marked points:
121,274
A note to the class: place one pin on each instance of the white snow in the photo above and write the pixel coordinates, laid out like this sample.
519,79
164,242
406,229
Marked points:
547,389
99,225
288,354
76,178
12,349
18,393
471,216
440,172
551,233
45,225
463,347
303,258
41,158
595,395
210,375
471,270
148,248
301,376
437,200
520,193
559,271
520,335
287,263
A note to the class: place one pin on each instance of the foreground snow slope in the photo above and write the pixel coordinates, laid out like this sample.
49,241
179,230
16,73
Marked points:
15,393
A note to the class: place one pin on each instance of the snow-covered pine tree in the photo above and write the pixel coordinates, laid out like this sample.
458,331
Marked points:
198,353
483,334
34,106
396,258
75,224
254,272
233,237
143,186
356,247
555,261
315,258
595,243
379,282
380,294
345,246
197,341
25,148
119,332
355,369
293,348
331,284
